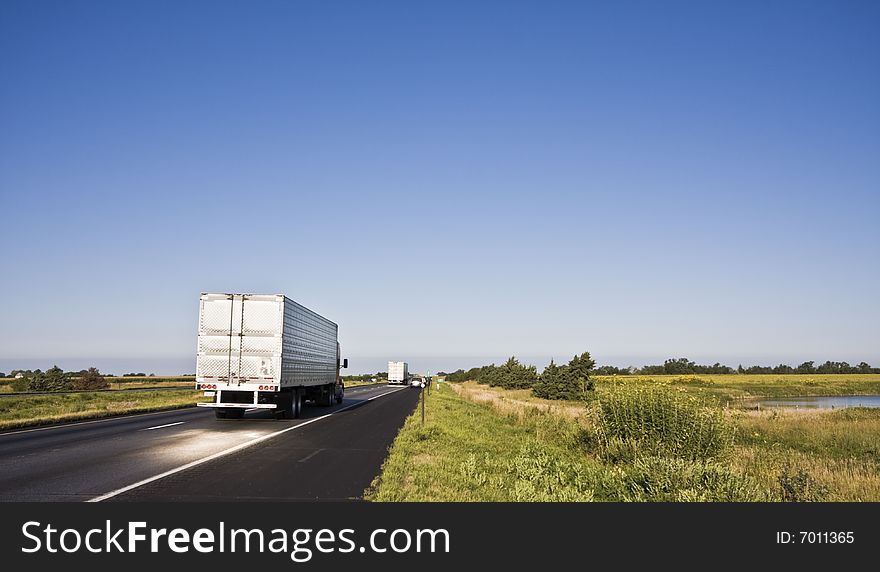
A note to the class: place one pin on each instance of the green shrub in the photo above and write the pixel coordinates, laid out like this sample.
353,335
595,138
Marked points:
664,479
51,380
650,421
19,384
90,380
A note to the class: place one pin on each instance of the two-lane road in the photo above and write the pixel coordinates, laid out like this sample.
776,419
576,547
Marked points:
331,453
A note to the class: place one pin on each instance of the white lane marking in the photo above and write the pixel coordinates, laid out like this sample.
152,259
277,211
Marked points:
386,393
223,453
251,409
310,455
161,426
118,417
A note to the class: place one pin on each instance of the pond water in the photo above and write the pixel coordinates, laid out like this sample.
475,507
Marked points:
823,402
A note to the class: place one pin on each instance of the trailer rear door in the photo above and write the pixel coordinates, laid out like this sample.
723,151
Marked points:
240,338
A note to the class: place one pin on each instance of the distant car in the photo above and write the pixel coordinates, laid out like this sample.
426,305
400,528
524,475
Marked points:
416,382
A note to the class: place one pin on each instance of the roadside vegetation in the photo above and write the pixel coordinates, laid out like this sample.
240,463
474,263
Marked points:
637,438
26,410
55,379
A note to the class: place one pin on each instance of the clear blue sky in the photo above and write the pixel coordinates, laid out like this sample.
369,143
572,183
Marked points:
449,181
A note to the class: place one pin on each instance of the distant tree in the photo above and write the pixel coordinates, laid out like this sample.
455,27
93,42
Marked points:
806,367
478,374
3,374
52,380
611,370
652,370
678,366
91,379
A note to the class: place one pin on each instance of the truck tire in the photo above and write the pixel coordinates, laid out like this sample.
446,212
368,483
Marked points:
297,403
340,395
327,397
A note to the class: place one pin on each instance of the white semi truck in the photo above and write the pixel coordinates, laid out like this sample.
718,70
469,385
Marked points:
260,351
398,372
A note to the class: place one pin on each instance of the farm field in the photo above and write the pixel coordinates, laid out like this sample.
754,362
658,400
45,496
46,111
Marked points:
482,443
737,386
25,410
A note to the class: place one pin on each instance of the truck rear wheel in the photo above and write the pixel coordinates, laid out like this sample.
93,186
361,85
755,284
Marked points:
297,403
327,397
284,404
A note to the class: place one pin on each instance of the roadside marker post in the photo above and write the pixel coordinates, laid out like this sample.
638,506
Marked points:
423,404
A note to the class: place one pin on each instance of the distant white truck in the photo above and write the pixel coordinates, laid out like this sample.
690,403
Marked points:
398,373
259,351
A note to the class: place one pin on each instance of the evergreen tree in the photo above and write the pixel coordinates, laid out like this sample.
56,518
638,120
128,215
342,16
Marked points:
571,382
549,384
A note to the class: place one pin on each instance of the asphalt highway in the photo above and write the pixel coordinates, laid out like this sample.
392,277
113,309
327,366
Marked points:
330,453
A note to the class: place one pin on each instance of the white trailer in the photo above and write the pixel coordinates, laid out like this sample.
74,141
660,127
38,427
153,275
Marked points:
260,351
398,372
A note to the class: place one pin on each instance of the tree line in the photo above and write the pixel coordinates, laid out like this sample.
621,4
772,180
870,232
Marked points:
568,381
366,377
685,366
26,372
576,379
682,366
56,379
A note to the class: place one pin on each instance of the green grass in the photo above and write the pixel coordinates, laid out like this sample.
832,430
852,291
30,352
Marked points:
25,410
491,444
498,451
839,449
468,452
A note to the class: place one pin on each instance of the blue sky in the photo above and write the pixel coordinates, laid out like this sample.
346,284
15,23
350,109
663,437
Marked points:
451,182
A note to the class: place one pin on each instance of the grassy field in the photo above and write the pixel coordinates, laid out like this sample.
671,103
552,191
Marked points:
731,387
21,411
468,452
490,444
